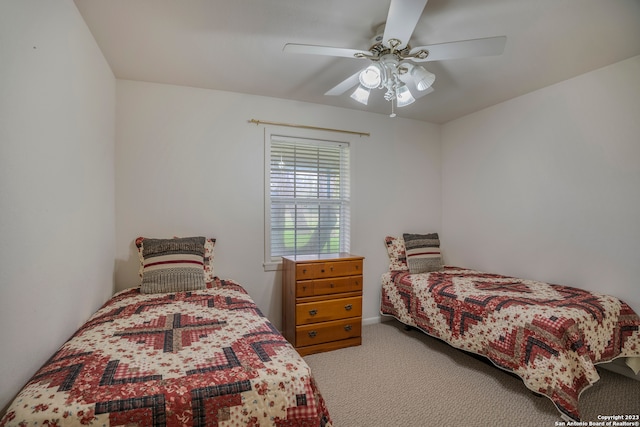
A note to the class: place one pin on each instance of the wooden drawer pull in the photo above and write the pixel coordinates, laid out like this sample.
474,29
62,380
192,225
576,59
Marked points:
347,328
348,307
313,312
312,334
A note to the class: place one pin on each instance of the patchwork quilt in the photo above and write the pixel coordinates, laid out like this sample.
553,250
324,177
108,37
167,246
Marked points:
201,358
549,335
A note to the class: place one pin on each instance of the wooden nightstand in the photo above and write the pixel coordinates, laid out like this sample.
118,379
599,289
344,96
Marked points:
322,301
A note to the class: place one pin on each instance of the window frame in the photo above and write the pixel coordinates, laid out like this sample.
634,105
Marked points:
269,263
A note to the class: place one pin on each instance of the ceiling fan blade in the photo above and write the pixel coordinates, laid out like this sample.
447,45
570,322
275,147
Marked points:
345,85
402,20
462,49
322,50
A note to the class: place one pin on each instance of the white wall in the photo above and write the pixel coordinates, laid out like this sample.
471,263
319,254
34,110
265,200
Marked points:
547,186
189,163
57,220
544,186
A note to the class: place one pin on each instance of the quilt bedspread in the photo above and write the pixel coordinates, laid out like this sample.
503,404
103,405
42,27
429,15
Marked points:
549,335
201,358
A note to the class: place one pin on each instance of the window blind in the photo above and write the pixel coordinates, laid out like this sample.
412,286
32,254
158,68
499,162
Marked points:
309,197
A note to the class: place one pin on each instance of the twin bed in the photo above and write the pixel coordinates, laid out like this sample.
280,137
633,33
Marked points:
551,336
185,348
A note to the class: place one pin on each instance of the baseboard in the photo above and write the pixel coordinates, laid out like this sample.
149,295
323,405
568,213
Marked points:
370,321
374,320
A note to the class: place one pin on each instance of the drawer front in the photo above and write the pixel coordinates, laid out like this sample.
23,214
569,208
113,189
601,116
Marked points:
328,331
304,288
321,311
337,285
341,268
307,271
319,270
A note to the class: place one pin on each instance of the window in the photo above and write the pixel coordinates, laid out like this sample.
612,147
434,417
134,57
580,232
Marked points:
307,194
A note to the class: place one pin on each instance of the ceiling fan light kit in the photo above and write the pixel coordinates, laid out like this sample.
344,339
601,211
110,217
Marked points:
392,59
385,73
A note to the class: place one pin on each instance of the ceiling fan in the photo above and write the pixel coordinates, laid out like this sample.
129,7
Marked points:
393,62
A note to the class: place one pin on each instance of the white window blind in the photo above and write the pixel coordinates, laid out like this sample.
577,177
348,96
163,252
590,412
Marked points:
308,197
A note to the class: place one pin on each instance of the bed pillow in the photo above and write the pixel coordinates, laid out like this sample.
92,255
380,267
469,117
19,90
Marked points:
209,251
172,265
397,253
209,246
423,252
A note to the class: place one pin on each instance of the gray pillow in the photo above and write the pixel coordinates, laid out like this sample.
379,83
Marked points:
172,265
423,252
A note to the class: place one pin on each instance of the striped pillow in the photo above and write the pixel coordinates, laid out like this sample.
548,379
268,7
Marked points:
209,246
423,252
172,265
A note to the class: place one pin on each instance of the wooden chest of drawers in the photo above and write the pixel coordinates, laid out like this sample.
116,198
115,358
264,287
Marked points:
322,301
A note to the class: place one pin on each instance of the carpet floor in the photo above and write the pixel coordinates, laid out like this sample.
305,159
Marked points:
399,378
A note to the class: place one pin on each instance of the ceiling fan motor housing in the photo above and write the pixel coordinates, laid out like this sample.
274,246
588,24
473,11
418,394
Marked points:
378,48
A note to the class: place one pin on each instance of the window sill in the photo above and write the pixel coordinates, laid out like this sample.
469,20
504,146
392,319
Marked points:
272,266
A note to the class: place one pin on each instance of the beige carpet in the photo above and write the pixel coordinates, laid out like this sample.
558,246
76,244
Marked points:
400,379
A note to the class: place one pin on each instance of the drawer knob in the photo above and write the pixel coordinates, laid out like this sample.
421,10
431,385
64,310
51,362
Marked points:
348,307
304,271
322,271
347,328
313,312
312,334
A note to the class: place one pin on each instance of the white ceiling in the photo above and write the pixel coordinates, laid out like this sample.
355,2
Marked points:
236,45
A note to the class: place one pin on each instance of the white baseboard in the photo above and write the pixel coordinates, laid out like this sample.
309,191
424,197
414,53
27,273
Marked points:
378,319
371,320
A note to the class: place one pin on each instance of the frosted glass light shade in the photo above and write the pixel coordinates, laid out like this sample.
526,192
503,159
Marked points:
404,97
370,77
423,78
361,94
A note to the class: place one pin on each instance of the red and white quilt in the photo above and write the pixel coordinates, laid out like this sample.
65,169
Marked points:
549,335
201,358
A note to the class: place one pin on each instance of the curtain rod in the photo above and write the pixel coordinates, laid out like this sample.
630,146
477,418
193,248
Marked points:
258,122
